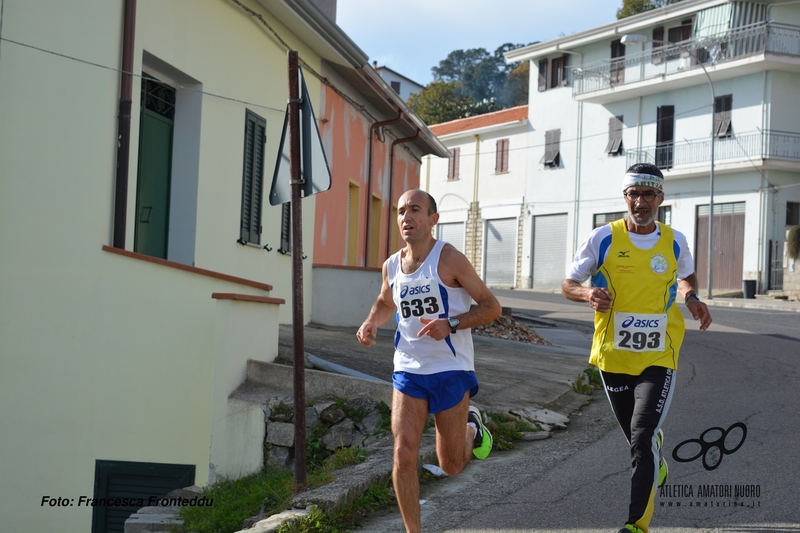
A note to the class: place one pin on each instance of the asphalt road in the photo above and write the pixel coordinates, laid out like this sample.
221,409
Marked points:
743,371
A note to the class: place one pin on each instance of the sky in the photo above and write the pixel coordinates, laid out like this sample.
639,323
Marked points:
412,36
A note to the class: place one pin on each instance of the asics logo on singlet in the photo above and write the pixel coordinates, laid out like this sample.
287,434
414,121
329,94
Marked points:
422,289
639,323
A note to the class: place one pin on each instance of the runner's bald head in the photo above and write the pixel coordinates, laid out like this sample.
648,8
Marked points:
431,201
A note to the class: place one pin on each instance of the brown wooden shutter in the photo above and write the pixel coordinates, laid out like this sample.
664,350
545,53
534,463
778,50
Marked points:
501,157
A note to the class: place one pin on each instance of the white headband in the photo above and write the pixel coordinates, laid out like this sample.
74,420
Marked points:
644,180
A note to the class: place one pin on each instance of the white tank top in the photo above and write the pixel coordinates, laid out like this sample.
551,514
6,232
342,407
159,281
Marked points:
423,295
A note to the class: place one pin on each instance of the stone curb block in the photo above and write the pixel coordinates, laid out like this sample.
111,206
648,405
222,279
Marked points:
268,525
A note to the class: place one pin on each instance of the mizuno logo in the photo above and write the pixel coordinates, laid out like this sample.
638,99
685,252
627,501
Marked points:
623,253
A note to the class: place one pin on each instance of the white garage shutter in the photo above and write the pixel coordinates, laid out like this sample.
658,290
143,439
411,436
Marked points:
549,251
452,232
501,252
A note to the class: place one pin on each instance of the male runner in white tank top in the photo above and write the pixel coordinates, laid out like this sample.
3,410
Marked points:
430,285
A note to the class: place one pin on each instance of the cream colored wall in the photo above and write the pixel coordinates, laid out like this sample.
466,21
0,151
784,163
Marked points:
244,330
57,139
103,356
252,70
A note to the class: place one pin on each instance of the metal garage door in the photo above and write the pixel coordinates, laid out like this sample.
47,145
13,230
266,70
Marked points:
500,252
452,232
549,251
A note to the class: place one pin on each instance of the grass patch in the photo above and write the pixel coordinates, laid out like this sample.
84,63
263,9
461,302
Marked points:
506,429
339,459
384,426
587,384
269,492
236,500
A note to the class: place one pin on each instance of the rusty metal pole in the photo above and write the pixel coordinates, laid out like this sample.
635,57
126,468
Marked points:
297,274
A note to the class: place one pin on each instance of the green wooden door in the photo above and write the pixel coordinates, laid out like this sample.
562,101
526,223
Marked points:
152,194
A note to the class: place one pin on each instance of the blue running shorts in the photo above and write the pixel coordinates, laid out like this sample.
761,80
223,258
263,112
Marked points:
443,390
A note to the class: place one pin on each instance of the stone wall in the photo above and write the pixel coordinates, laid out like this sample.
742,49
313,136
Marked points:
791,279
356,422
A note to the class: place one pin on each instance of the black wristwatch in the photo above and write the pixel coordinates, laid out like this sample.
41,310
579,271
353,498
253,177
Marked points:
691,295
454,322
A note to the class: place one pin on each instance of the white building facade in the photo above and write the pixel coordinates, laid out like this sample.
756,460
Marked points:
402,85
480,190
599,103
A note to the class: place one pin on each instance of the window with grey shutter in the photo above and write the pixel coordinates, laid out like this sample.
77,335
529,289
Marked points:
602,219
617,62
552,141
542,75
658,42
665,214
665,135
126,482
286,228
255,136
558,71
614,146
793,213
722,115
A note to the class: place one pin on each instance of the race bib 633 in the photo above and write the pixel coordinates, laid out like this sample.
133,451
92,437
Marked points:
419,298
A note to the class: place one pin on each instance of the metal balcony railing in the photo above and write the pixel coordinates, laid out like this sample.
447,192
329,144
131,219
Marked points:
753,146
663,60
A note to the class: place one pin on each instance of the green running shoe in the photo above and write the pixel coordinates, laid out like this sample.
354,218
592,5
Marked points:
483,439
630,528
663,469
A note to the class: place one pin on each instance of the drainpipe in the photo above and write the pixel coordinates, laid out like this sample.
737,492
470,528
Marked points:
124,125
428,174
577,207
475,200
372,130
391,191
578,153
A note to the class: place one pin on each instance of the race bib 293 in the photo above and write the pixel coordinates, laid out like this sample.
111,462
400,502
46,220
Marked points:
638,332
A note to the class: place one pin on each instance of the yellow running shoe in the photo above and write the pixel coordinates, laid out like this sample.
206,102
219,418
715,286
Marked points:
663,470
482,444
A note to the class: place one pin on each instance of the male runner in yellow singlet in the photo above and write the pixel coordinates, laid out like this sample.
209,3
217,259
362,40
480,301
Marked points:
639,269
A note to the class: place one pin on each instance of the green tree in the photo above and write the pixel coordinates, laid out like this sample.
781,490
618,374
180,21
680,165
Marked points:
515,90
472,82
634,7
477,73
439,102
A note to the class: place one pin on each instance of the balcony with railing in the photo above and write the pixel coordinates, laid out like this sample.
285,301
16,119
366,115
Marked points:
750,148
672,61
